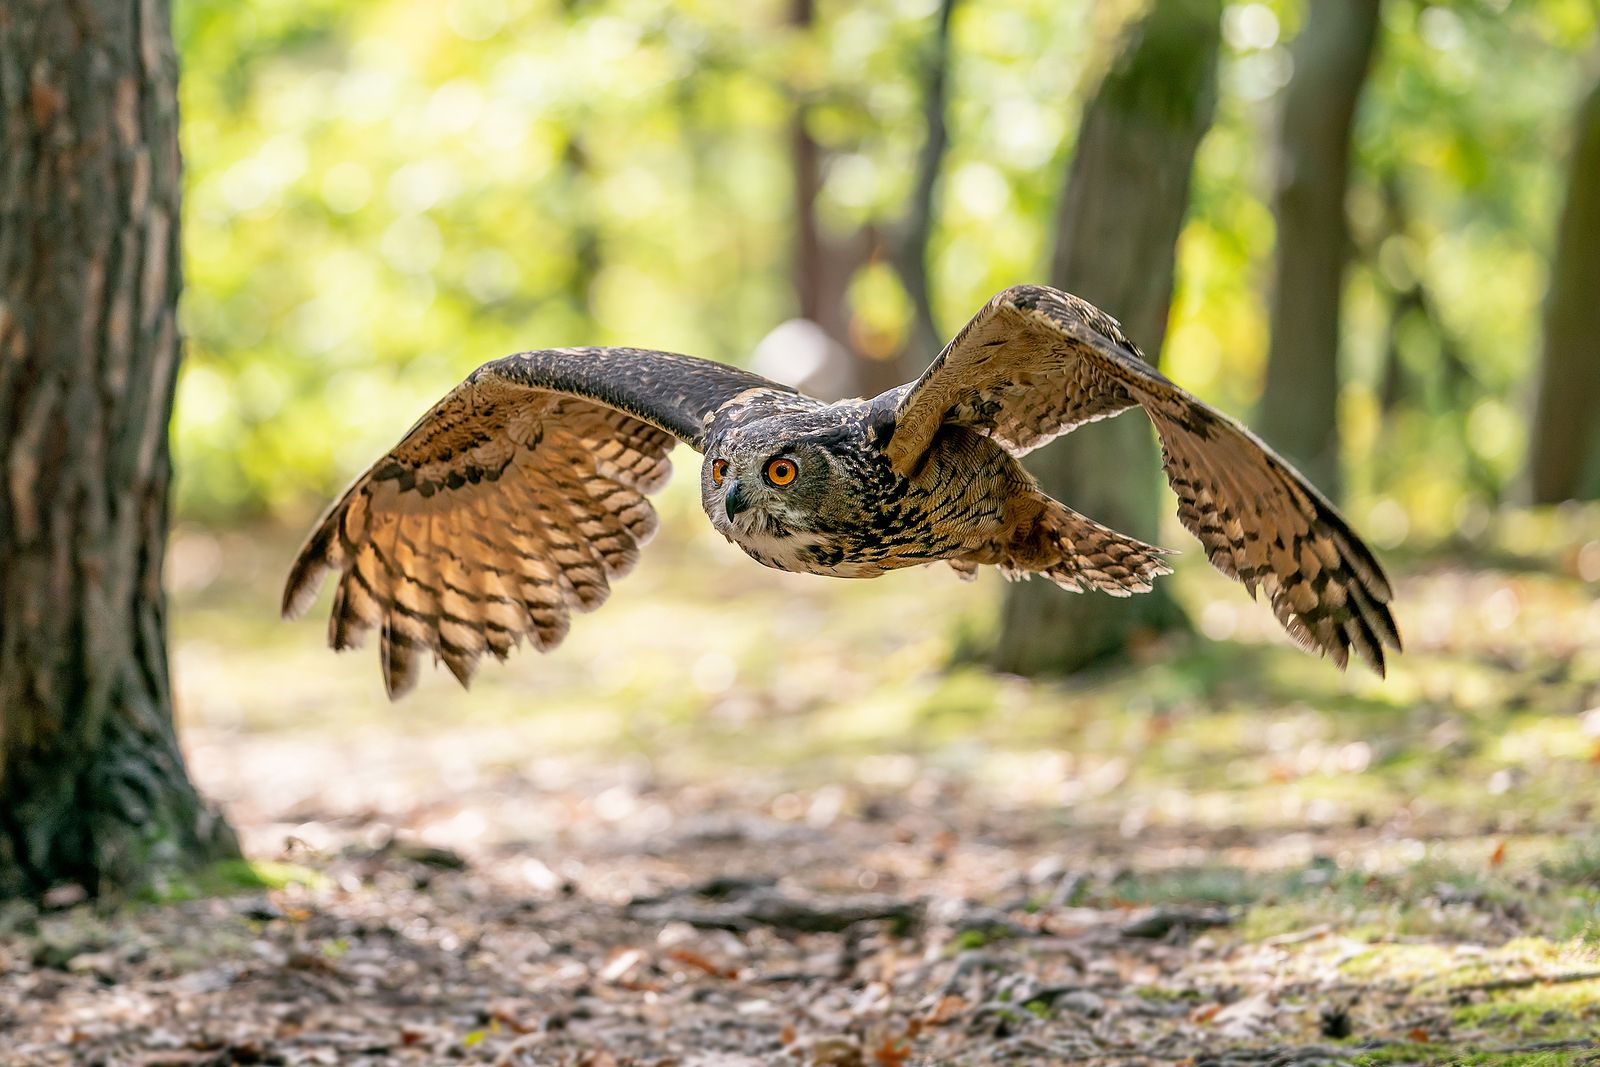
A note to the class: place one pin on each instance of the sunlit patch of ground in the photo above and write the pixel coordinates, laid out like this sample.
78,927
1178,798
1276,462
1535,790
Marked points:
1227,854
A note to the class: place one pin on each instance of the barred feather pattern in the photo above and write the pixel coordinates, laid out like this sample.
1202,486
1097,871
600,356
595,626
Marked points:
511,505
1036,363
1079,554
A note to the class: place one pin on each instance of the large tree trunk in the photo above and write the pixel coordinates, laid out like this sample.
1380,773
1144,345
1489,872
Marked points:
1299,404
1126,196
93,789
1564,453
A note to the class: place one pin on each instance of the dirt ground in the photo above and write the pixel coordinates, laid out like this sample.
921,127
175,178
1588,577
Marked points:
859,851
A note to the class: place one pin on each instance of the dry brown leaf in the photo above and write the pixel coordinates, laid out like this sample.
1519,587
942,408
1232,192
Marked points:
892,1052
691,958
950,1005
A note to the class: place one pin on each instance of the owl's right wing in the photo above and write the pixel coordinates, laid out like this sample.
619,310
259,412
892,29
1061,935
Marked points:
1036,362
509,505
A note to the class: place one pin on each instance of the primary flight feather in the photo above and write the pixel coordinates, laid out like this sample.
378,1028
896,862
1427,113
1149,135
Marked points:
523,493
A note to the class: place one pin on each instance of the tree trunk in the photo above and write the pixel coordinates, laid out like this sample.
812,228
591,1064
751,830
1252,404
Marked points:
823,265
1126,196
93,789
924,341
1564,452
1299,404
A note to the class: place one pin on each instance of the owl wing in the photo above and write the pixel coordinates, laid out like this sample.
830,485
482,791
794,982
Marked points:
509,505
1036,363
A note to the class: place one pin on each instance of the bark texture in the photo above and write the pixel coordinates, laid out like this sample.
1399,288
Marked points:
824,263
1126,196
1564,452
924,340
1299,405
93,789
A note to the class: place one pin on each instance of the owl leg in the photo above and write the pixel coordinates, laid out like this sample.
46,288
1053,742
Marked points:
1077,553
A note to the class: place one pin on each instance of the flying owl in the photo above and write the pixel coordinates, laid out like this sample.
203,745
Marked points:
523,493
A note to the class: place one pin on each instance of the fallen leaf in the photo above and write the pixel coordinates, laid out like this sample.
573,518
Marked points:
508,1013
892,1052
1419,1035
691,958
1246,1018
834,1051
948,1008
621,965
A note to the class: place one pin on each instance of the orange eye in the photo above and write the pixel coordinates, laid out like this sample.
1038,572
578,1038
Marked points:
719,470
782,471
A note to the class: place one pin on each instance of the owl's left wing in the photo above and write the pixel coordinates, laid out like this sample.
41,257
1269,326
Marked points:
1036,363
509,505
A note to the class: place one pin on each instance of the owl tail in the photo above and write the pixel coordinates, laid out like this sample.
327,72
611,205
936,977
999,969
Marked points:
1079,554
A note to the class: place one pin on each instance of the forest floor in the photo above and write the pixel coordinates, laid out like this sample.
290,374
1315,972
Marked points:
752,818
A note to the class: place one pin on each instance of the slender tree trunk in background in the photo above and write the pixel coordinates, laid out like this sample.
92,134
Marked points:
1126,196
93,789
924,340
1564,452
822,266
810,262
1299,404
587,260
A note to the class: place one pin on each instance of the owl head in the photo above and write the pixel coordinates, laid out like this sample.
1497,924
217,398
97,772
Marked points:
774,479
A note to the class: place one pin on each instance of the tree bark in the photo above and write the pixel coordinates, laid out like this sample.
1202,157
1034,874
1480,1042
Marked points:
1299,404
1126,196
93,789
822,265
924,340
1564,452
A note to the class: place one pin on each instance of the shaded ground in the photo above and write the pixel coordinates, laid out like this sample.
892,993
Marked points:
748,818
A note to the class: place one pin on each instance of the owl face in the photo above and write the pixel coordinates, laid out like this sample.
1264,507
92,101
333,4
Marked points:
762,484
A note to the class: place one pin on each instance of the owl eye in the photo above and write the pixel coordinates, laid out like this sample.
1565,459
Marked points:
782,471
719,470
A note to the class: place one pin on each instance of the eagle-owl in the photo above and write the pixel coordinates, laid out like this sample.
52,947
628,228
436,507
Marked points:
523,492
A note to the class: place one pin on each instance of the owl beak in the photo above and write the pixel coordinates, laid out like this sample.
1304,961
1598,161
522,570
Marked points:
734,499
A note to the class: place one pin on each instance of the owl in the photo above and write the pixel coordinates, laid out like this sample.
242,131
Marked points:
524,493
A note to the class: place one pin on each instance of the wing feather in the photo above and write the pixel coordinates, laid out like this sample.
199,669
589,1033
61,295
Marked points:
515,501
1036,363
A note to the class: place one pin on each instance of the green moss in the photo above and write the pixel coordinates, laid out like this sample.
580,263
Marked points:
227,878
1403,1053
1560,1058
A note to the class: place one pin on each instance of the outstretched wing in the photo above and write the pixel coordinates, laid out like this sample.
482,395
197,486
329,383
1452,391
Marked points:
1036,363
512,503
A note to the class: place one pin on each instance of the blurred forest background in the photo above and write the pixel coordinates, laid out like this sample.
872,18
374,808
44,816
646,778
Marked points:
383,195
1386,258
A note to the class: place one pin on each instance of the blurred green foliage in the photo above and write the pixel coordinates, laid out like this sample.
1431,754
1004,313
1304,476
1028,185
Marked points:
383,194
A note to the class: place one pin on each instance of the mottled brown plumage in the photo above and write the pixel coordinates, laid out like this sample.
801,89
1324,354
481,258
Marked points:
523,493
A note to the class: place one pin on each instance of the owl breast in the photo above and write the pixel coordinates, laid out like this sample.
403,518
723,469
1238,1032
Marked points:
805,553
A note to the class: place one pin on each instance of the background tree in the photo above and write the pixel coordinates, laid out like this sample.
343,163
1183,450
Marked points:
1564,450
823,262
1299,404
1126,196
923,340
93,789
